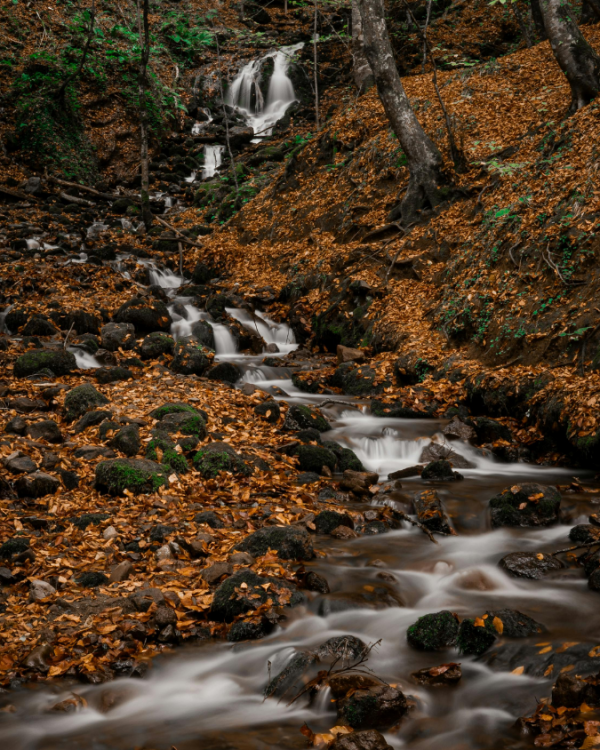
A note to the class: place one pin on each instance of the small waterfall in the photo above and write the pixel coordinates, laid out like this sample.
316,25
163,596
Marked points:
270,332
182,327
213,158
261,115
84,360
225,345
165,279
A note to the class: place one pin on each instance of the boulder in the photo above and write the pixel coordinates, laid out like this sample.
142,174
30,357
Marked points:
185,423
176,408
439,471
534,565
368,739
210,518
459,430
344,649
474,638
59,362
91,419
379,706
346,458
139,476
81,399
269,410
203,273
106,375
442,676
215,572
328,520
288,681
46,430
547,661
14,547
433,632
431,513
146,314
525,505
314,458
115,336
358,482
227,372
216,457
127,440
240,135
290,542
347,354
36,485
17,463
489,430
232,598
512,624
357,380
437,452
189,359
156,344
300,417
38,326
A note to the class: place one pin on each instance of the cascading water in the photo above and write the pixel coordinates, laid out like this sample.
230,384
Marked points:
213,158
245,93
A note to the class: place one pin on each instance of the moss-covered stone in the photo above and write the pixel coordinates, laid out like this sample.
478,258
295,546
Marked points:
162,450
218,457
105,375
176,408
127,440
156,344
433,632
379,706
526,505
15,546
472,639
189,359
328,520
59,362
346,457
186,423
139,476
231,600
226,372
314,458
357,380
145,314
439,471
305,417
290,542
81,399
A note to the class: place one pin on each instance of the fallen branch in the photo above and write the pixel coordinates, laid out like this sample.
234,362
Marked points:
74,199
579,546
17,194
182,236
404,517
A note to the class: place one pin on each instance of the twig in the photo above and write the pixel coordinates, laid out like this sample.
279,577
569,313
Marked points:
177,232
579,546
74,199
180,246
67,336
404,517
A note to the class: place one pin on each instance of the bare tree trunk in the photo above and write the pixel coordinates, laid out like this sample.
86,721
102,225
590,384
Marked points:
427,19
363,75
75,75
538,20
144,42
315,67
523,25
424,158
226,119
576,58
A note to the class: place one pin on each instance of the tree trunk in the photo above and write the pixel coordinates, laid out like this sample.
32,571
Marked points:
424,158
316,67
576,58
538,20
144,42
363,75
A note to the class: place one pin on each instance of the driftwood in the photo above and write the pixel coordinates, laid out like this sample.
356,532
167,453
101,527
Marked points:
74,199
17,194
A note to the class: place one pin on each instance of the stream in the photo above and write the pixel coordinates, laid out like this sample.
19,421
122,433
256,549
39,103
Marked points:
212,697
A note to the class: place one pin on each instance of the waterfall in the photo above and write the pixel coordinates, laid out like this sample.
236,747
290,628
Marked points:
213,157
261,115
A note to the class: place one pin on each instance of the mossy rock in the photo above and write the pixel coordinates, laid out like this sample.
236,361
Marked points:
218,457
380,706
59,362
328,520
290,542
314,458
106,375
357,380
226,372
203,273
176,407
346,457
186,423
127,440
472,639
489,430
81,399
15,546
139,476
38,326
162,450
189,359
145,314
231,601
433,632
305,418
156,344
526,505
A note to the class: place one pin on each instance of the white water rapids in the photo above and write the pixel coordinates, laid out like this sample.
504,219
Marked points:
212,697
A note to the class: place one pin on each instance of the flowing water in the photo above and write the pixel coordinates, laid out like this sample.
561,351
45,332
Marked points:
245,93
212,697
213,158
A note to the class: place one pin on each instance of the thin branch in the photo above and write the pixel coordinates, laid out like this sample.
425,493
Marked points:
61,90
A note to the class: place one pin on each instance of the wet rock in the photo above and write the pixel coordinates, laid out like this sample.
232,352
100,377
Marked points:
433,632
17,463
316,582
270,410
374,527
46,430
343,648
243,592
459,430
91,419
114,336
216,457
314,458
16,426
36,659
203,331
369,739
240,134
127,440
395,410
572,691
431,513
139,476
585,533
106,375
534,565
357,380
525,505
288,681
189,359
343,532
290,542
379,706
37,484
121,572
92,579
185,423
594,580
439,471
346,458
227,372
59,362
145,314
442,676
474,638
308,477
215,572
328,520
300,417
543,661
249,631
156,344
347,354
437,452
358,482
488,430
512,624
81,399
40,590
